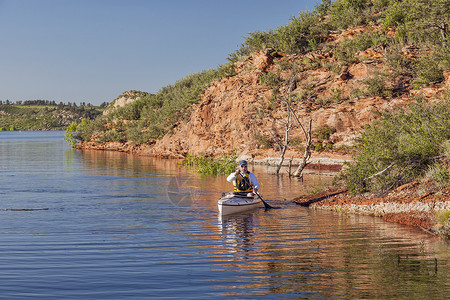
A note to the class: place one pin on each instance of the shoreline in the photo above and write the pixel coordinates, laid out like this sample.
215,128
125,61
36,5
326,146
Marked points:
320,161
406,205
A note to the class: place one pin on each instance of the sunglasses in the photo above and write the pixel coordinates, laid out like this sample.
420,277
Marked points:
244,166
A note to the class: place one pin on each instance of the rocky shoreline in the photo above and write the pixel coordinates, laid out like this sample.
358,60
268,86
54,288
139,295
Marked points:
319,161
415,204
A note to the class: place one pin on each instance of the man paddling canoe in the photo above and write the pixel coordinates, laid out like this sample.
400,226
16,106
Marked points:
244,182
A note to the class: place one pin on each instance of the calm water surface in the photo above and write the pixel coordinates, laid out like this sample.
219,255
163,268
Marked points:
115,226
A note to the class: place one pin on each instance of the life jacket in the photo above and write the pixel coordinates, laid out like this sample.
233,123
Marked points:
242,184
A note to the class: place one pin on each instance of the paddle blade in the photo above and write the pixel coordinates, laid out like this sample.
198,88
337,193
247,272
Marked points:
266,206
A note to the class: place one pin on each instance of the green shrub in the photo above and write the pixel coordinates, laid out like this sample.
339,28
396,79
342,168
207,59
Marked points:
416,25
207,165
324,132
296,37
429,68
398,62
262,140
112,135
343,14
446,148
271,79
394,15
345,51
70,135
438,173
376,86
337,95
399,147
443,217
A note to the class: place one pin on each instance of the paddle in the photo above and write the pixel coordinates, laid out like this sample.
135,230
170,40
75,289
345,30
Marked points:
266,206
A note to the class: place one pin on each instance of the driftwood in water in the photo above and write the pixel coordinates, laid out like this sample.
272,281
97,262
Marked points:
25,209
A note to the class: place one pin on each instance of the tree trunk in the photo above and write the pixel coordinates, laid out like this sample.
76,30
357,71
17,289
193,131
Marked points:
306,154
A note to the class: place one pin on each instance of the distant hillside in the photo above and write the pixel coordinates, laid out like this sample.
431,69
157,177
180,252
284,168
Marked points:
44,116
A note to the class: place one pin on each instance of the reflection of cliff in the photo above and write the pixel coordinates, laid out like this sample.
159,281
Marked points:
324,254
119,161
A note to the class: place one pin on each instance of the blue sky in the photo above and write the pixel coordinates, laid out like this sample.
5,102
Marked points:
93,50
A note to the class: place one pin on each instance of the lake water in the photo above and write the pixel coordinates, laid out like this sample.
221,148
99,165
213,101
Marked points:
109,225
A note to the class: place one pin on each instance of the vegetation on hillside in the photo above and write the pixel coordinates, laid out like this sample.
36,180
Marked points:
402,146
44,115
414,37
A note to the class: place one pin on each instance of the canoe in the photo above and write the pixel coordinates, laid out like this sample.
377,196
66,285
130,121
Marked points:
232,204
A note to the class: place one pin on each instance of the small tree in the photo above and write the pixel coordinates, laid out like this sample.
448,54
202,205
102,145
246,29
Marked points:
71,135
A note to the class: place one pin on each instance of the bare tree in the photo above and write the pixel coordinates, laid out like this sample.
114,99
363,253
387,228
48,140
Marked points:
290,122
307,152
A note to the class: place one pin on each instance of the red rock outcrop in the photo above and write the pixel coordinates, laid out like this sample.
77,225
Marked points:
229,116
232,115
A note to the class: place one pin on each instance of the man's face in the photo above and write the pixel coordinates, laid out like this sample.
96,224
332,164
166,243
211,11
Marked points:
243,168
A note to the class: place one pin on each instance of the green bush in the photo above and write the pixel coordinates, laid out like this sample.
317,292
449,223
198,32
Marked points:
343,14
394,15
262,140
399,147
438,173
429,68
70,135
416,25
271,79
398,62
376,86
112,135
207,165
324,132
443,217
345,51
446,148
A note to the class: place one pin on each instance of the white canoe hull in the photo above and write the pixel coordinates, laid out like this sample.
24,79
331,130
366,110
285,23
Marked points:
233,204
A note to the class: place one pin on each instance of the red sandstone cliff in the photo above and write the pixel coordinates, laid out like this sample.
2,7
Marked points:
230,116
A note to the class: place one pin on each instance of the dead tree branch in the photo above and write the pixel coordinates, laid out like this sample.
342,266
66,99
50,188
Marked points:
291,122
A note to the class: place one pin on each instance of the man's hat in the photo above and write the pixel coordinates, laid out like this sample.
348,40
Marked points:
242,162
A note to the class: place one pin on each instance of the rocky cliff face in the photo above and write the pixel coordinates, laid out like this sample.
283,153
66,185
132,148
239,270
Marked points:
230,116
237,113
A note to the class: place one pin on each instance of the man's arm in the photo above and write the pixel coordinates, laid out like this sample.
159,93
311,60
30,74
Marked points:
231,177
254,181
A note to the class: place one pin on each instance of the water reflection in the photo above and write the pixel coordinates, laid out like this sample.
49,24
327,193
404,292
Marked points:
293,250
317,254
116,228
237,233
280,188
